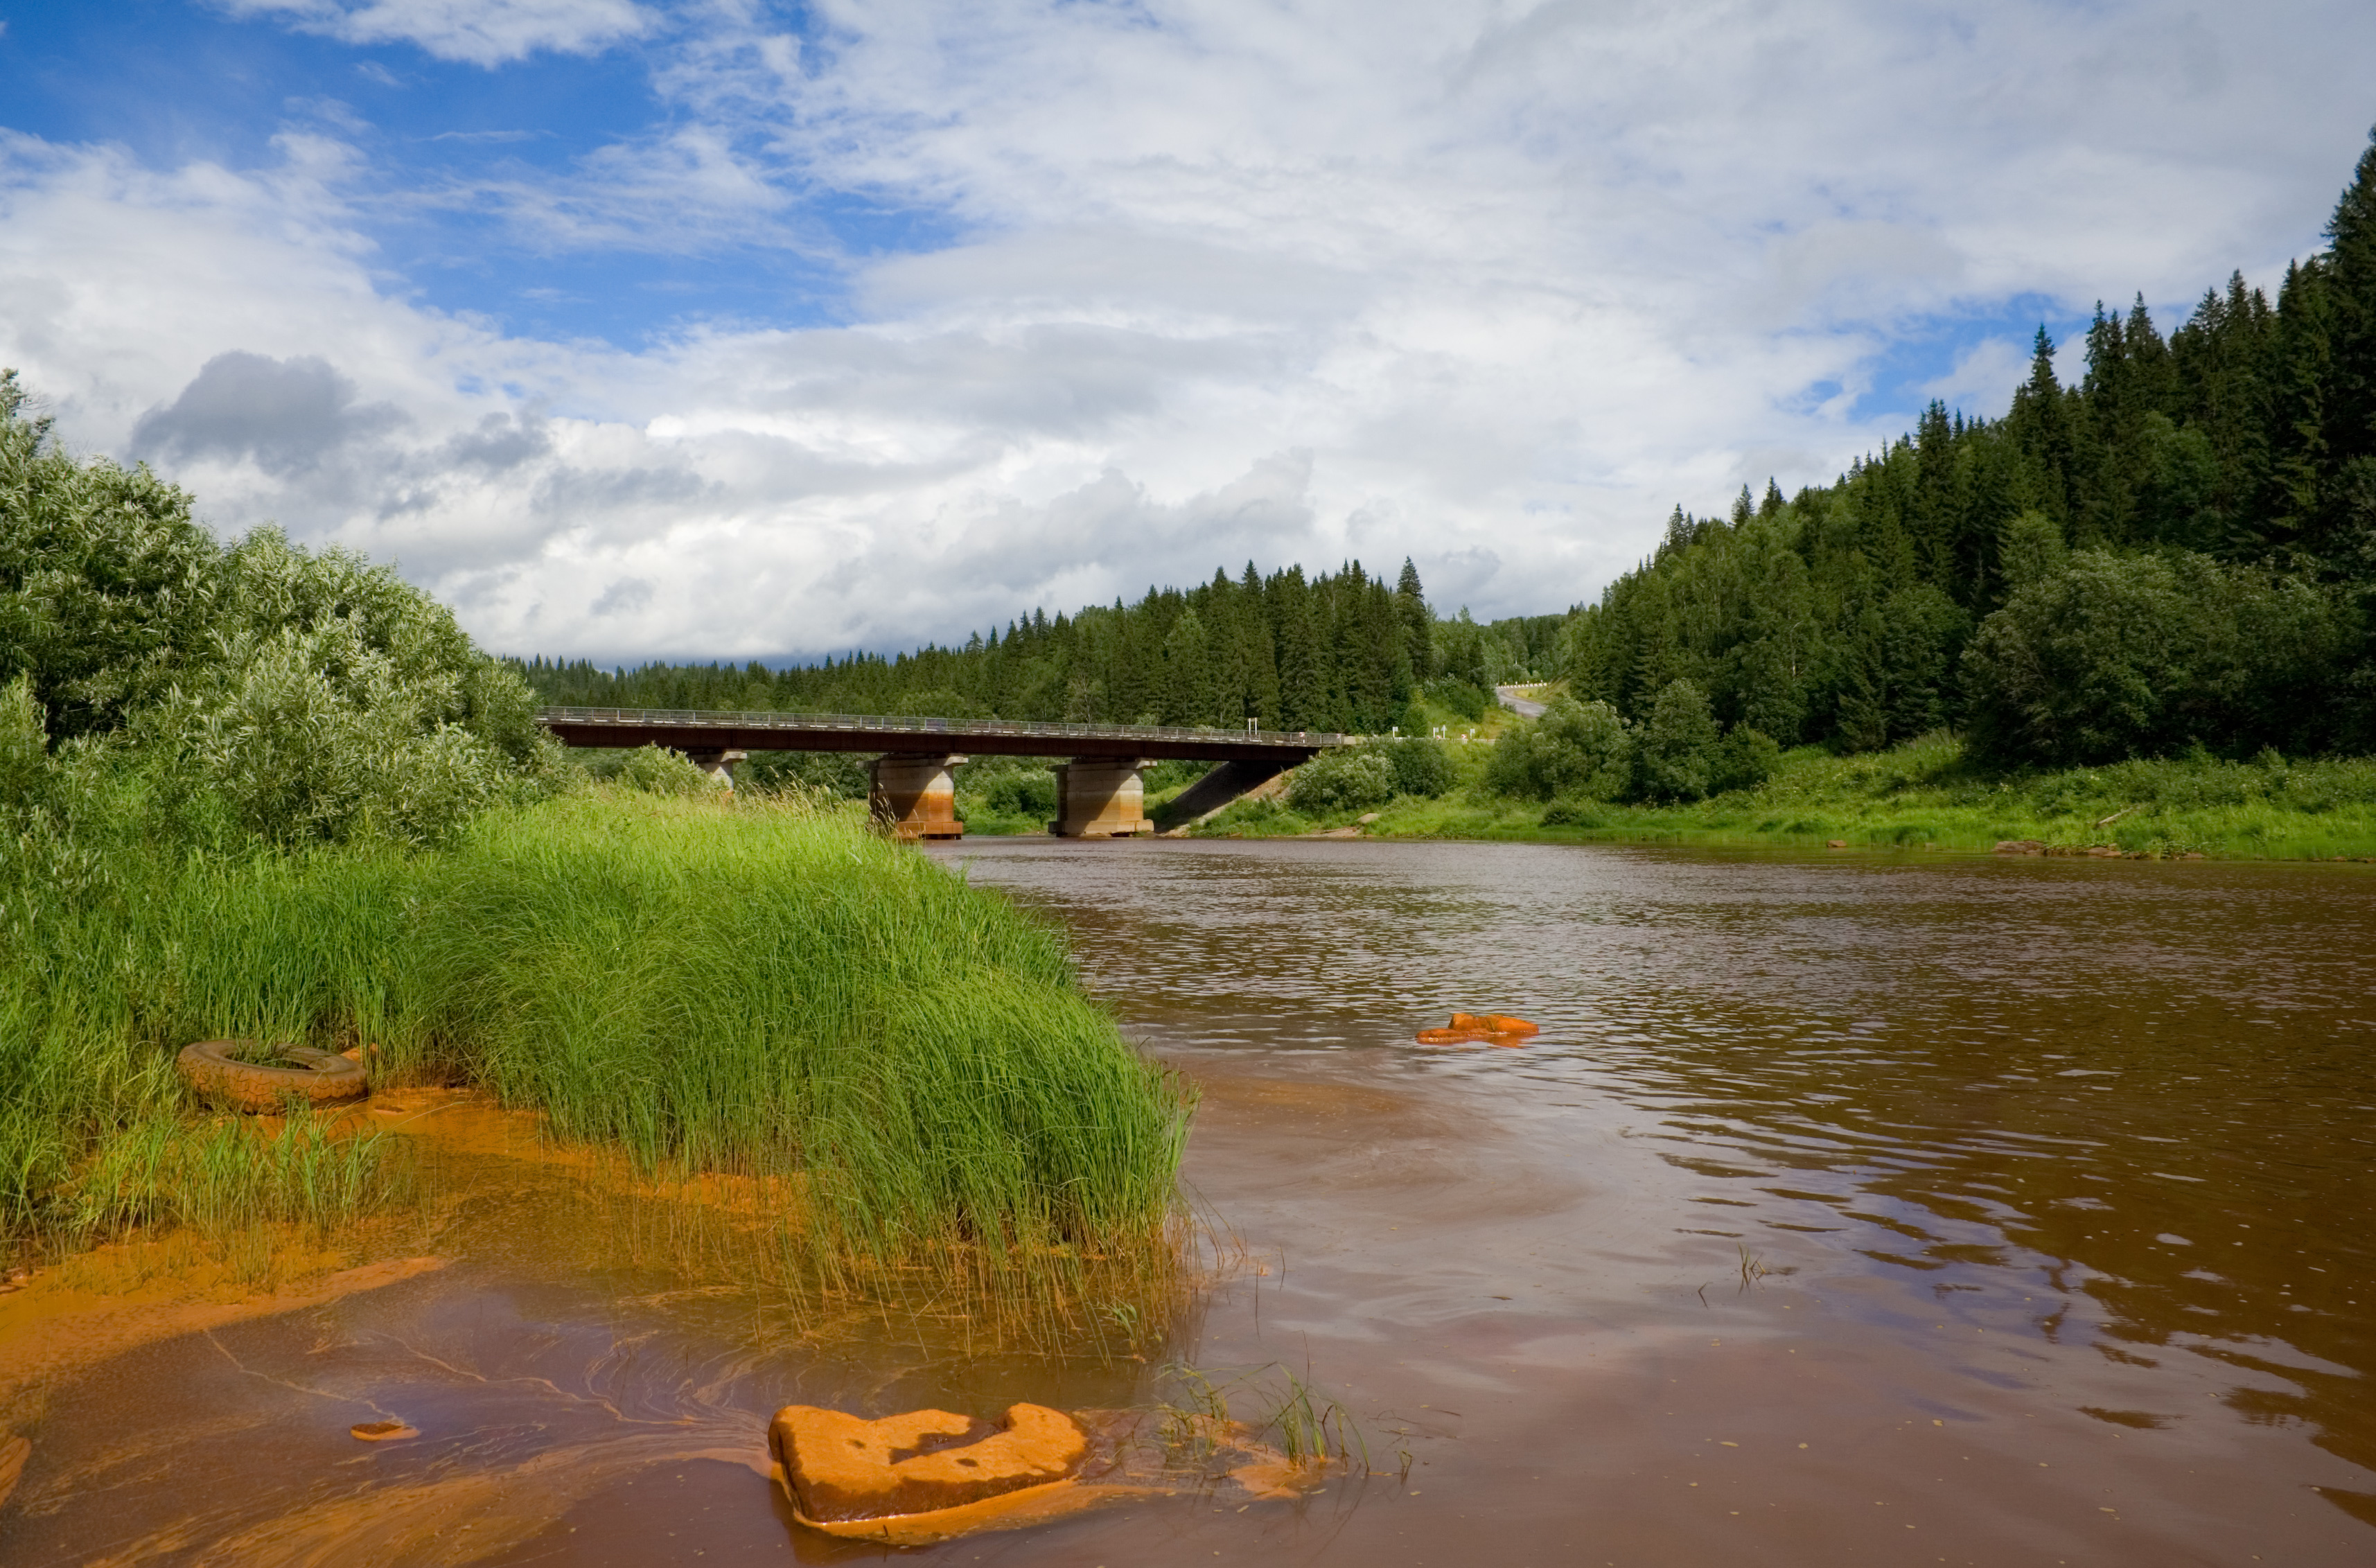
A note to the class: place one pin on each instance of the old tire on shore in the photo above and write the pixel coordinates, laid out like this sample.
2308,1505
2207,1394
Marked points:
212,1067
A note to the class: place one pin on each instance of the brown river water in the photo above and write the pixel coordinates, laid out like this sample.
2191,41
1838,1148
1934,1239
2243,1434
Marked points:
1850,1209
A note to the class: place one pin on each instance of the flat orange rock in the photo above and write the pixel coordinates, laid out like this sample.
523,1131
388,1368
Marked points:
1013,1511
383,1431
1468,1028
842,1469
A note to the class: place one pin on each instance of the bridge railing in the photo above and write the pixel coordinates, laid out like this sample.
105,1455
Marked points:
653,718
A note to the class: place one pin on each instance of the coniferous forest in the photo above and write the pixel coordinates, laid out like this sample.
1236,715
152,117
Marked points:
1341,651
2176,552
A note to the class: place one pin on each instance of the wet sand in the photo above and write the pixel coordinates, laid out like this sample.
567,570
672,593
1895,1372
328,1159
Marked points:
1901,1212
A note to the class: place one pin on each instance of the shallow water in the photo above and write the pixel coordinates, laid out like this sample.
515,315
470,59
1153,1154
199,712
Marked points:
1849,1210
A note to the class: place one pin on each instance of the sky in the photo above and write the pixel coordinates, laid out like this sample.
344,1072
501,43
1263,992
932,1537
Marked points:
729,329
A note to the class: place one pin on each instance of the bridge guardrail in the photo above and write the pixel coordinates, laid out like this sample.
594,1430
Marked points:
887,725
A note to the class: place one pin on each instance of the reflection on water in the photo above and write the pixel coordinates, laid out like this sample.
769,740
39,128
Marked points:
1848,1209
2093,1136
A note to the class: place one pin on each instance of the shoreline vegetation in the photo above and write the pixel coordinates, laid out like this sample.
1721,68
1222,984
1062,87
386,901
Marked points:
1921,795
253,792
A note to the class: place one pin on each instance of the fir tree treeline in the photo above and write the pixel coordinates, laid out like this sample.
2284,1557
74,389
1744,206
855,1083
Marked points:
1339,651
2178,550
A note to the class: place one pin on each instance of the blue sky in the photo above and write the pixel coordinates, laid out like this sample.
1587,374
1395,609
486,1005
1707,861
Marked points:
724,328
174,82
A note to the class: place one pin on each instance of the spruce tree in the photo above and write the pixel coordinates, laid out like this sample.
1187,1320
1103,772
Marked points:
2348,515
1410,606
2301,356
1260,656
1937,517
2220,362
1187,674
2040,425
1295,628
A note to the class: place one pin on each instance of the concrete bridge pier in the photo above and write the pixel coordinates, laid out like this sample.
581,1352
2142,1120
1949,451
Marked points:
911,795
1100,797
718,764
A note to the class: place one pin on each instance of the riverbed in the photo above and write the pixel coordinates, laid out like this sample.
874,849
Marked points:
1849,1208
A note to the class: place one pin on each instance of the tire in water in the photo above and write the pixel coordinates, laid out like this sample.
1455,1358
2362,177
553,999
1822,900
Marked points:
212,1067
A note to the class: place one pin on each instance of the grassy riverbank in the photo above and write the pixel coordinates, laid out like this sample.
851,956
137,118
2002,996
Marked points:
1924,793
701,983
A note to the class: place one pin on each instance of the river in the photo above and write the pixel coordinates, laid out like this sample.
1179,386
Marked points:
1849,1208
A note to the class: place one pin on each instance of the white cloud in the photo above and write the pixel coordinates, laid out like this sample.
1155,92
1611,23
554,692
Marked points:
481,32
1487,284
1985,375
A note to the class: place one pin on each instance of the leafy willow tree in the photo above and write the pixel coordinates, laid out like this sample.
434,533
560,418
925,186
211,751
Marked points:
106,586
204,696
1577,751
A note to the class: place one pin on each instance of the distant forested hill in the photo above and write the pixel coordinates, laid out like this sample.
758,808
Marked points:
2177,552
1343,651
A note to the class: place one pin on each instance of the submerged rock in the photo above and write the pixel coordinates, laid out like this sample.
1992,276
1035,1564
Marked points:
383,1431
842,1468
1466,1028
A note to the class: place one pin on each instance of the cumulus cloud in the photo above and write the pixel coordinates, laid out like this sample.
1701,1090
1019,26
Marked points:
289,416
1984,375
1491,285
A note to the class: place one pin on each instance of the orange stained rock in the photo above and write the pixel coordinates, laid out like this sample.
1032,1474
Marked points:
383,1431
842,1468
1013,1511
1496,1028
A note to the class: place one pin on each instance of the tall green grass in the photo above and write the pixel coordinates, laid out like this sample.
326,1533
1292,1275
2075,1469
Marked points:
769,988
226,1175
702,983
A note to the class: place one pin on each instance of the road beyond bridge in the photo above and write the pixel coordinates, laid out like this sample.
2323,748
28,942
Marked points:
911,791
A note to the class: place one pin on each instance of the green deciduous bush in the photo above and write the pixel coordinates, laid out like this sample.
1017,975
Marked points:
1014,789
1744,759
2114,655
1344,778
656,771
1422,768
1676,754
202,697
1579,753
1359,776
1457,696
108,590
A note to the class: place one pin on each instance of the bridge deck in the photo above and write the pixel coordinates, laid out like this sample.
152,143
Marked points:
692,731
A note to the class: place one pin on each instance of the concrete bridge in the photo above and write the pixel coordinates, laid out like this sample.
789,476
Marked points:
911,788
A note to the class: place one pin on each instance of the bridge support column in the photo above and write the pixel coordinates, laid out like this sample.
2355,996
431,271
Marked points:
718,764
1100,798
912,796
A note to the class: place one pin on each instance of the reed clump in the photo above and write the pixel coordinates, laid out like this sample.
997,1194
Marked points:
762,989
